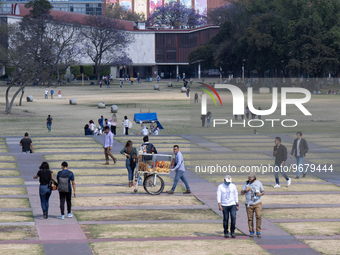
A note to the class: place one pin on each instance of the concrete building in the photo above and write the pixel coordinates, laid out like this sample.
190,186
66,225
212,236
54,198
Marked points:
153,52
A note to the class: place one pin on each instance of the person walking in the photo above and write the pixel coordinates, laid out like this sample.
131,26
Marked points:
52,92
46,93
131,158
280,154
227,199
59,93
203,120
49,123
299,150
180,170
26,144
45,176
209,115
64,178
126,125
113,121
196,98
108,142
253,190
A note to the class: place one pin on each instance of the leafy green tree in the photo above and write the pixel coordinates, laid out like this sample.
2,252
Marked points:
116,11
40,9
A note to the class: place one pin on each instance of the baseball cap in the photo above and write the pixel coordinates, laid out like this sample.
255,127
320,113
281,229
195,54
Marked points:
251,175
227,178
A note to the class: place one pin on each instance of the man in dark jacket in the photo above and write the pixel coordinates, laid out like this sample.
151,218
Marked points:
299,150
280,154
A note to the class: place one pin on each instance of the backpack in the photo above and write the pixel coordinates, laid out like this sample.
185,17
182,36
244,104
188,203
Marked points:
149,148
64,184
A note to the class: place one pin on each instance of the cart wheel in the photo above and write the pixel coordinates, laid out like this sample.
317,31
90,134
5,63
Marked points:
154,184
135,190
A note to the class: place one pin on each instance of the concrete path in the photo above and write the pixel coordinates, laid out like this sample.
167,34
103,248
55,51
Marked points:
52,228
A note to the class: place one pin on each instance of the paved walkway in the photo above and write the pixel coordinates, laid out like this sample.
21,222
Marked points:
53,228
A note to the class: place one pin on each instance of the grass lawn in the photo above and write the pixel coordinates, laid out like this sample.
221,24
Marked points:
142,215
298,199
298,187
327,247
301,213
201,247
311,228
118,189
225,156
92,164
16,216
17,233
10,173
11,181
108,179
13,191
7,158
135,200
152,230
8,165
21,249
80,157
14,202
121,171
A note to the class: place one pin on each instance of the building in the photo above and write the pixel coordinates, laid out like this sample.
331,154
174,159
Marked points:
90,7
153,52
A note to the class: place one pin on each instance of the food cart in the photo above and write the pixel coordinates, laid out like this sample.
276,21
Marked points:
152,166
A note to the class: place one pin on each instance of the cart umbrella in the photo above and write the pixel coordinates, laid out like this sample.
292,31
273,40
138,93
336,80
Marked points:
147,118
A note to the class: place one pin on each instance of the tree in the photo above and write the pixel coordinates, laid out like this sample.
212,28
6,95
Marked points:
40,9
116,11
105,41
174,15
37,48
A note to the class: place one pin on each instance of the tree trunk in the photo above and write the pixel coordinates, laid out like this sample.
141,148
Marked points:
22,94
9,104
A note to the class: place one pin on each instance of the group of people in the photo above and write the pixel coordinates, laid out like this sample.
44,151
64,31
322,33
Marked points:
153,130
65,183
208,117
52,93
91,129
248,112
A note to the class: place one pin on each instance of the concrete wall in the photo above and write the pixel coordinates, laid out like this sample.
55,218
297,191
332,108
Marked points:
142,50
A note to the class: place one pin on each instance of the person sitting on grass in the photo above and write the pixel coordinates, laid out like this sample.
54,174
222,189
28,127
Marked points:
87,130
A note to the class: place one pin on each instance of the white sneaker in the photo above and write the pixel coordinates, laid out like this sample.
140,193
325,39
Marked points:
289,182
277,186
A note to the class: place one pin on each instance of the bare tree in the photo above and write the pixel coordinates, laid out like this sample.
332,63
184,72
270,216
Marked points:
36,49
105,41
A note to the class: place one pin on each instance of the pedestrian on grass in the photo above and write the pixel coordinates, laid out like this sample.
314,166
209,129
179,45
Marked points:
126,125
52,92
88,130
280,154
64,179
180,170
49,123
203,120
209,115
131,158
196,98
59,93
108,142
46,93
299,150
253,190
45,176
227,199
113,121
27,145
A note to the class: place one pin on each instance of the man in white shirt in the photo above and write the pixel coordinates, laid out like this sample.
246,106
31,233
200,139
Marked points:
227,199
108,142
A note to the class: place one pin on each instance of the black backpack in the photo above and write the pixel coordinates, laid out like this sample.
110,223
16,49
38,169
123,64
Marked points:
64,184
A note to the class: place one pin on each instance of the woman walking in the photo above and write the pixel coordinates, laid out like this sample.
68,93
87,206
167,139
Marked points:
113,121
131,157
45,176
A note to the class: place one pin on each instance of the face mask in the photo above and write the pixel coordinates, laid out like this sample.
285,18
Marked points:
227,183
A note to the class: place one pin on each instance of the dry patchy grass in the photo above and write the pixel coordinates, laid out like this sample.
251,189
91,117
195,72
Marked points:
298,199
301,213
14,202
18,233
21,249
16,216
311,228
327,247
11,181
10,173
118,189
13,191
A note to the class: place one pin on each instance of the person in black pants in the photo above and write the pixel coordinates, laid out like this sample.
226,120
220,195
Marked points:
66,195
45,175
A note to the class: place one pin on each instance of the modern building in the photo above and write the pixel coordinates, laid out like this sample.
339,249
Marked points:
148,6
90,7
153,52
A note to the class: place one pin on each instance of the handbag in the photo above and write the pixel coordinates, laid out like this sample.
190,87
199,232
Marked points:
53,184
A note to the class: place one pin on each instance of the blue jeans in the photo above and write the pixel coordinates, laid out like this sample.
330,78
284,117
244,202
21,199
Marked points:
45,193
180,175
226,210
299,161
130,169
48,126
278,169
